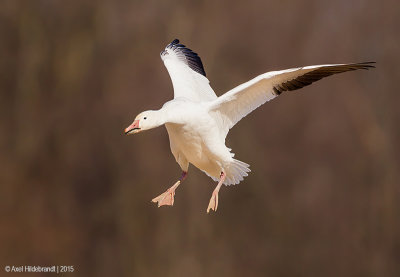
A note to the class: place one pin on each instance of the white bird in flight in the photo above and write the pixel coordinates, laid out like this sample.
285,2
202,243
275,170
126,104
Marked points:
198,121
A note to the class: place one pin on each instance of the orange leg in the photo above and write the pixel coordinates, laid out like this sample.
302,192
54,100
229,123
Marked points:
213,205
167,198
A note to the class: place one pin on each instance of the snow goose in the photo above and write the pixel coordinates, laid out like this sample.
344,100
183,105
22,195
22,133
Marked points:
198,121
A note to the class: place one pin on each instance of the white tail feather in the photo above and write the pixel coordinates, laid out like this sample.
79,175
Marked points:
235,173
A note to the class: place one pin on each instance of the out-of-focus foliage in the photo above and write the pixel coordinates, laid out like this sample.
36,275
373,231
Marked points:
323,195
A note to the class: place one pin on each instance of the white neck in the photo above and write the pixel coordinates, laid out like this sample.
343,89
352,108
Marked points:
167,114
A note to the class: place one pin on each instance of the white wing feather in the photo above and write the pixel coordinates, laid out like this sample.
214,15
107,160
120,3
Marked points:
187,82
235,104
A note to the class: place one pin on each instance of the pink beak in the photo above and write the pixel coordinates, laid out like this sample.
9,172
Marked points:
132,128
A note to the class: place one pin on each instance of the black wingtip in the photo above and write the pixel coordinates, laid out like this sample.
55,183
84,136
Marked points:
191,58
367,65
175,41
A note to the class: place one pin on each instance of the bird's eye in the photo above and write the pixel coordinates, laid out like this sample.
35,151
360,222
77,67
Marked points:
144,117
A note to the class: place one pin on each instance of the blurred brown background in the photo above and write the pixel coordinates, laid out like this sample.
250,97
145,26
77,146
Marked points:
323,195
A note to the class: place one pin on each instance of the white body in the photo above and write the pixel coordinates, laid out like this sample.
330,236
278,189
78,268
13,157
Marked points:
196,138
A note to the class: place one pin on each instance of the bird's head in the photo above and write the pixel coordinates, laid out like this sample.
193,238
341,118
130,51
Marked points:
144,121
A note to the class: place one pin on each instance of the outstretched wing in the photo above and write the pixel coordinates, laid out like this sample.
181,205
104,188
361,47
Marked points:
187,73
232,106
